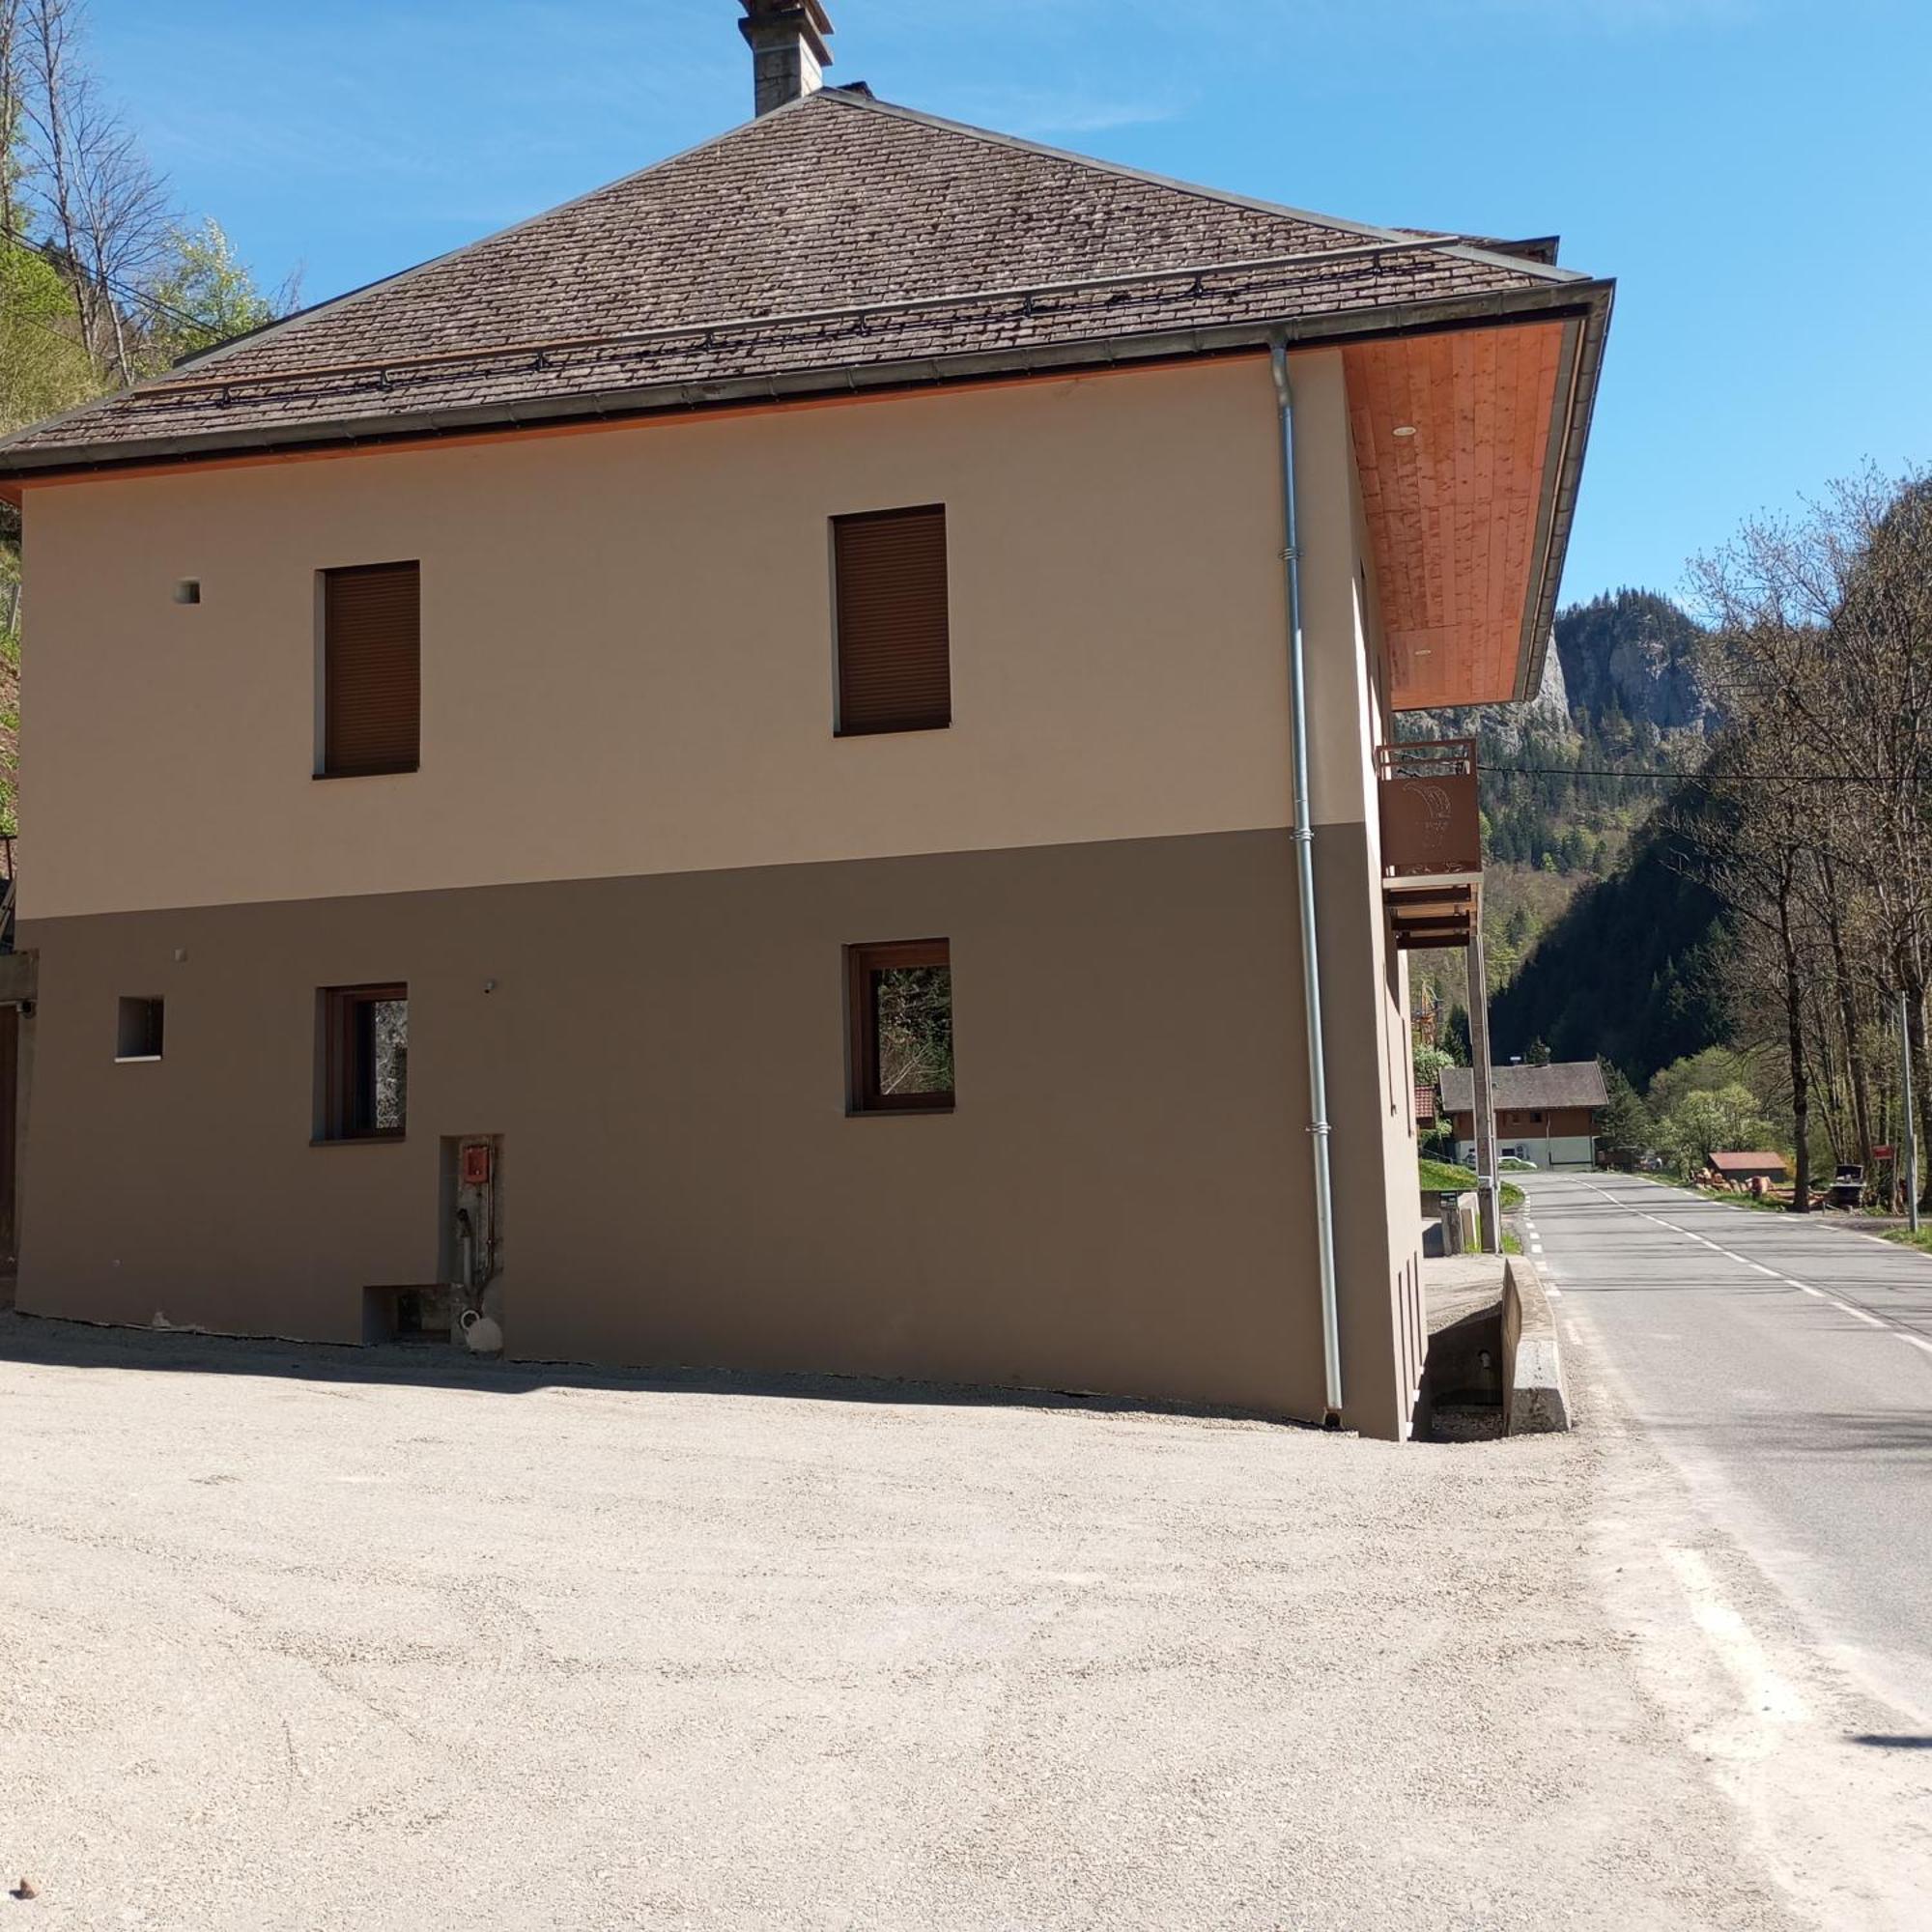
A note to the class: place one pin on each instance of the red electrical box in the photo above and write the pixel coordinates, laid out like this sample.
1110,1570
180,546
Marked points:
476,1164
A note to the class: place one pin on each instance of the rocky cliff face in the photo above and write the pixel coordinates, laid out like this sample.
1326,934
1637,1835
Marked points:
1505,728
1617,660
1633,655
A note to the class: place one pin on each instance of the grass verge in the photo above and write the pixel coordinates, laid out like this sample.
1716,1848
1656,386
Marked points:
1438,1176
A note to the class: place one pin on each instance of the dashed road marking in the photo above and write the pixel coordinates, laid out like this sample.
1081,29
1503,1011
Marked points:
1851,1308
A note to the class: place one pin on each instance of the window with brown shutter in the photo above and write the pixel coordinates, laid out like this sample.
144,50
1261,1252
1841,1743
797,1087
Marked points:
371,670
895,661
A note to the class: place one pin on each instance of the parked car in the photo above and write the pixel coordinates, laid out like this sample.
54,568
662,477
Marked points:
1513,1163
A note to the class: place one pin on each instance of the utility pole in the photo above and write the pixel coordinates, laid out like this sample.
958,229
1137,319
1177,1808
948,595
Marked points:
1909,1139
1486,1115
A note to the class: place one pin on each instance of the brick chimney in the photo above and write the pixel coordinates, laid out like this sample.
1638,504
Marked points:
787,43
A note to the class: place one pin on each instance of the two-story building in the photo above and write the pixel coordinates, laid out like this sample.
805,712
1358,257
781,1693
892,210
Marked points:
764,770
1546,1115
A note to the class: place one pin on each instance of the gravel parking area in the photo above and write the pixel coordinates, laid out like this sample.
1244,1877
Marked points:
315,1639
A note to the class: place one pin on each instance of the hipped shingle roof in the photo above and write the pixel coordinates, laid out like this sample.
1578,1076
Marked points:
838,239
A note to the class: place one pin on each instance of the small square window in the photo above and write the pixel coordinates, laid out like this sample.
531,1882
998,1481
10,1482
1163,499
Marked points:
899,1004
189,590
138,1034
364,1063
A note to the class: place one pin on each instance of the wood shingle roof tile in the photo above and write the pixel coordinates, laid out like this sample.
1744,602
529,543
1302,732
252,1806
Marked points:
838,239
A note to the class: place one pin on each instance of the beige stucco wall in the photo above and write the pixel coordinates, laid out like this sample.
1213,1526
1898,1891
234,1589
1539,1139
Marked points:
627,660
1121,1200
626,647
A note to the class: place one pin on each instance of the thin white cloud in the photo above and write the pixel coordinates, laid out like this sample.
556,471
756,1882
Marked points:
1026,110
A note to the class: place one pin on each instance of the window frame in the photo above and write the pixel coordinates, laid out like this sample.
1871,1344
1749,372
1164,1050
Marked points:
340,1109
154,1026
862,1096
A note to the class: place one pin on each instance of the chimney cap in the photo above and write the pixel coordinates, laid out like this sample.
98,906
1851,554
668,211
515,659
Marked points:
806,17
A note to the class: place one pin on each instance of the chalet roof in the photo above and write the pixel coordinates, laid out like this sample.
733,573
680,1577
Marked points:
1744,1166
839,241
1572,1083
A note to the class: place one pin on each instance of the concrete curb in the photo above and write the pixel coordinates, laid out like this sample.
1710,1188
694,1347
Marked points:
1535,1401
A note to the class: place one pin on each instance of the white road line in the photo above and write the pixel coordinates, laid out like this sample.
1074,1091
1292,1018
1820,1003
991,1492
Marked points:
1851,1308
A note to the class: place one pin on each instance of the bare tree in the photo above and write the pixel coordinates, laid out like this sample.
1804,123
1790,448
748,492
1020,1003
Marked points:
1821,637
105,210
1753,864
9,121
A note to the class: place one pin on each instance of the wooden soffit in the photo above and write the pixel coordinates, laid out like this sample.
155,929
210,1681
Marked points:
1454,435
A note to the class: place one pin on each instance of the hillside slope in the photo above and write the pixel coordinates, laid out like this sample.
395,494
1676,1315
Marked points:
1623,972
1620,694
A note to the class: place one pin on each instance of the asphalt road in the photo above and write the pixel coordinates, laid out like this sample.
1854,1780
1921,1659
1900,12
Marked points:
1785,1365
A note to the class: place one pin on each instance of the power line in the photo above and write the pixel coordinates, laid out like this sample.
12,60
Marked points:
127,292
1692,778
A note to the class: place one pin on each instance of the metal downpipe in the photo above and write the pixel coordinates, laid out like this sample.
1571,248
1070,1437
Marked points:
1304,859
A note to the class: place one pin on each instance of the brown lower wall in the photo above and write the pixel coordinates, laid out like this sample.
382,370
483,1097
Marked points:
1120,1202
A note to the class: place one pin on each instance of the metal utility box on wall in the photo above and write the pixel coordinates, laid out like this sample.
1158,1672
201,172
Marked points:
471,1242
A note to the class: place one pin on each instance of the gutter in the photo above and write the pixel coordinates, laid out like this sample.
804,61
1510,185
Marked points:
1304,865
1540,303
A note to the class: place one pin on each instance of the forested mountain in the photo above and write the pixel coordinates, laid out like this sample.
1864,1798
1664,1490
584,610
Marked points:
1626,967
1561,789
1630,657
1628,971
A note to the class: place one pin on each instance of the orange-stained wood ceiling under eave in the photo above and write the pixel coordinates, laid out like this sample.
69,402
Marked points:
1456,512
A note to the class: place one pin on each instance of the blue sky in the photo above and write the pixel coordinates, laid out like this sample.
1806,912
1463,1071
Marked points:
1753,172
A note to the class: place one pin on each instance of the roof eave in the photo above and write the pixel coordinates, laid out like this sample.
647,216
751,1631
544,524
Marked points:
1585,300
1574,408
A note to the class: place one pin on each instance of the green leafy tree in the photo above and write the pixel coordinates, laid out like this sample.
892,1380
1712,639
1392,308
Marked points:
204,293
1704,1123
1429,1061
44,367
1705,1072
